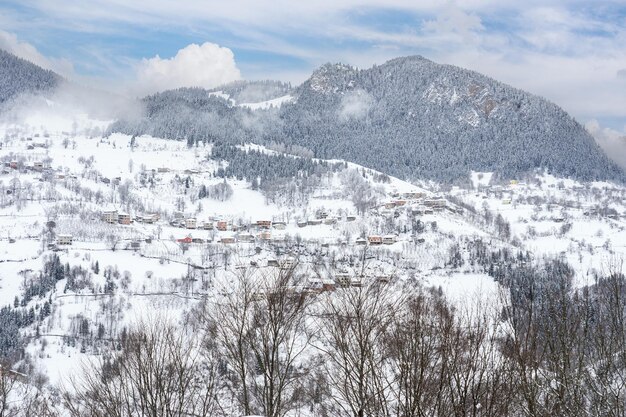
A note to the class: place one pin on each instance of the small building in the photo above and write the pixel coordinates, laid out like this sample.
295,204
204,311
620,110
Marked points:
186,240
288,264
38,166
228,240
280,225
110,216
13,164
303,223
314,222
435,203
330,220
413,195
360,241
343,279
263,224
123,218
350,218
222,225
264,236
207,225
389,239
399,203
135,245
375,240
65,239
245,237
163,169
190,223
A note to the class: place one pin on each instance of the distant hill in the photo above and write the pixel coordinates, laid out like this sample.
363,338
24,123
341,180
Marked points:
410,117
414,118
18,76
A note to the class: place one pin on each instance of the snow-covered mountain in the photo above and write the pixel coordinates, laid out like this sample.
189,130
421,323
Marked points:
18,76
236,272
409,117
414,118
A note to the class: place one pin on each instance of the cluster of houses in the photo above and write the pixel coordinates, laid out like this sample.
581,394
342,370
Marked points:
37,166
115,217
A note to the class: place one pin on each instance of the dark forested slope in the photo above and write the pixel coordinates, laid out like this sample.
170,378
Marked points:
18,76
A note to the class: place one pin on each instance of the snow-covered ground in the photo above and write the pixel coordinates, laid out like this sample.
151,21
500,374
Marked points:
582,223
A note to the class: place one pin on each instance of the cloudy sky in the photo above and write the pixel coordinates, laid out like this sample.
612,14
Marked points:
572,52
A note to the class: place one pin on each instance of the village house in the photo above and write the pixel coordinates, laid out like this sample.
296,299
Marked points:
263,224
245,237
123,218
389,239
163,169
413,195
343,279
302,223
280,225
350,218
264,236
228,240
38,166
360,241
375,240
110,216
222,225
435,203
13,164
207,225
65,239
314,222
190,223
287,264
186,240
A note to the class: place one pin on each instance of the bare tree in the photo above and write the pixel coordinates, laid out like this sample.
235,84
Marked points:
352,323
161,371
260,327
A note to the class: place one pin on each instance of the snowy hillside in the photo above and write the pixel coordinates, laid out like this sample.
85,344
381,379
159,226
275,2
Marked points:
181,232
253,267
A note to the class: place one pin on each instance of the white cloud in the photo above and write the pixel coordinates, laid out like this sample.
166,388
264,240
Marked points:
207,65
453,20
610,140
10,42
